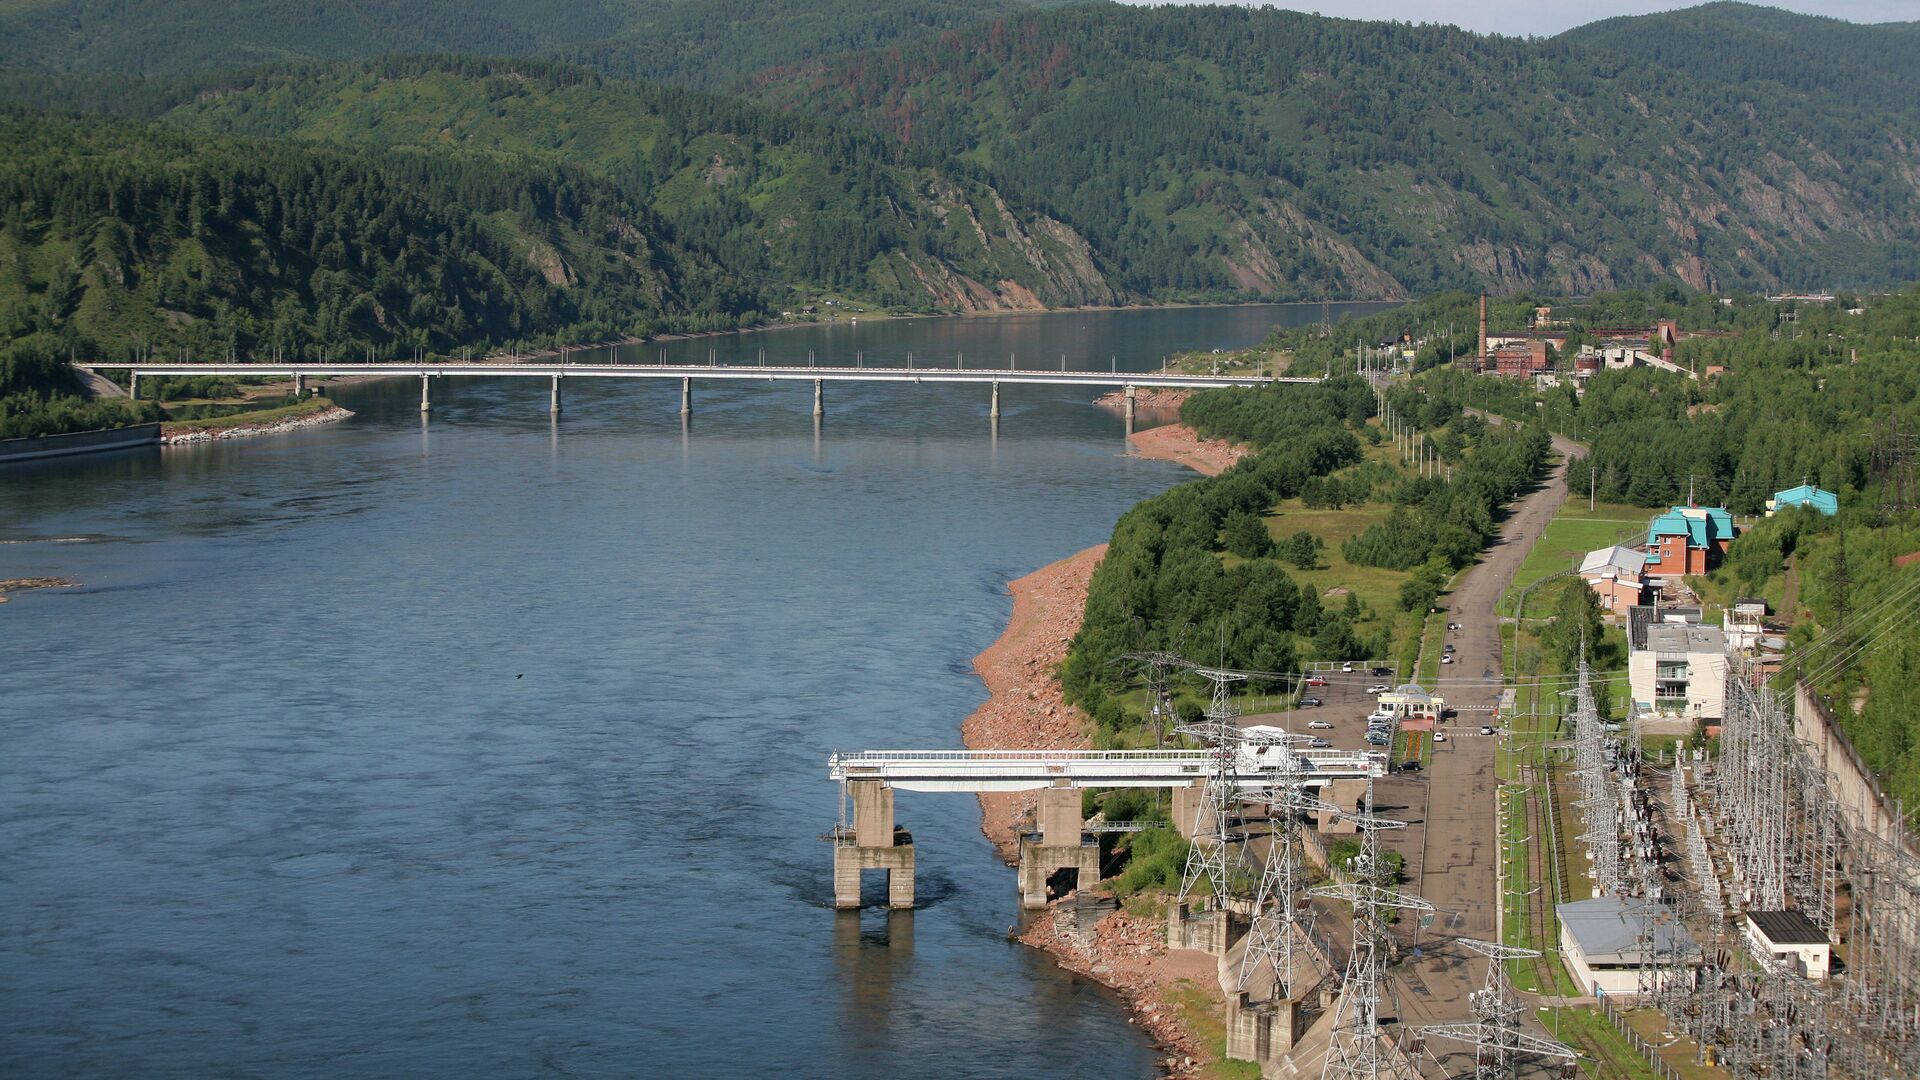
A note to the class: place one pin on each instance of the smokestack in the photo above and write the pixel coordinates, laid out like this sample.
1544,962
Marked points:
1483,326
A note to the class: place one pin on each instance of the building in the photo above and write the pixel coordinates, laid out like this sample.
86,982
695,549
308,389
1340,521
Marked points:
1688,540
1409,702
1680,672
1793,939
1605,942
1744,623
1805,495
1518,359
1617,577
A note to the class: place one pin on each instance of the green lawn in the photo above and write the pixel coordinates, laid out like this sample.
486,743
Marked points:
1575,530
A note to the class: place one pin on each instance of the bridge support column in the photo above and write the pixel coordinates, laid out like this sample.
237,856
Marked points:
1348,794
553,403
1186,806
133,386
874,843
1263,1031
1130,393
819,398
994,410
426,395
1061,844
299,385
686,397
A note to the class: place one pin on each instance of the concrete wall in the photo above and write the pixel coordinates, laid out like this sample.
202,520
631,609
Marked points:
1866,806
79,442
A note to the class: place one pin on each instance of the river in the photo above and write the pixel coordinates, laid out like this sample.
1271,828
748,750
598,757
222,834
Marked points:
488,744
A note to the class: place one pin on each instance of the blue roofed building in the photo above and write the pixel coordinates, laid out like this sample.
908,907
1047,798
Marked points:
1688,540
1805,495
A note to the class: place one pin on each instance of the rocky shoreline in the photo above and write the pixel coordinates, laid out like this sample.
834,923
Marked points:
1179,443
1026,709
179,437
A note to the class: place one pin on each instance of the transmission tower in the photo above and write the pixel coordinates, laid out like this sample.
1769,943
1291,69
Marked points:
1212,824
1356,1050
1495,1035
1279,919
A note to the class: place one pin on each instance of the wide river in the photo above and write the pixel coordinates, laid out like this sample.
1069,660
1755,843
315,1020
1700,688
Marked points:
489,745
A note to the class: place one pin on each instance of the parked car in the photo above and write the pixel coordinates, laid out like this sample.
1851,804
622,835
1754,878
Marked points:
1316,681
1439,736
1378,688
1453,626
1486,729
1311,702
1409,766
1447,659
1378,738
1319,725
1383,672
1449,648
1348,666
1319,744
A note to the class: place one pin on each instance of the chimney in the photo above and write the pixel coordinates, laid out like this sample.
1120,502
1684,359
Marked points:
1483,325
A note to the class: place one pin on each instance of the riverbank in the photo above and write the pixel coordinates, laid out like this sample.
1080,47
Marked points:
1179,443
8,585
244,425
1125,951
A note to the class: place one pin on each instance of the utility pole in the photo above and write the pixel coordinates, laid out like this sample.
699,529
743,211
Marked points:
1593,483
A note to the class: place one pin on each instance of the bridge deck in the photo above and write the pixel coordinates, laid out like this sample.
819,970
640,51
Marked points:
788,373
1024,770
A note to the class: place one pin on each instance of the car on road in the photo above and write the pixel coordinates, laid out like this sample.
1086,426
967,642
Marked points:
1319,725
1439,736
1319,744
1383,672
1486,729
1378,688
1311,702
1447,659
1449,647
1409,766
1348,666
1453,626
1316,681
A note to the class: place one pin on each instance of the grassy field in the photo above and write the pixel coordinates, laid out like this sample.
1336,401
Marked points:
1575,530
258,416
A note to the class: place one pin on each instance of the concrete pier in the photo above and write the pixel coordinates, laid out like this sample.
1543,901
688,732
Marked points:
1186,807
299,385
994,411
553,404
426,396
819,398
686,397
874,843
1130,394
1061,844
1212,931
1264,1031
133,387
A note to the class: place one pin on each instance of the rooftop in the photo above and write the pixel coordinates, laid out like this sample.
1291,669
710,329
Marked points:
1624,559
1609,930
1787,927
1669,638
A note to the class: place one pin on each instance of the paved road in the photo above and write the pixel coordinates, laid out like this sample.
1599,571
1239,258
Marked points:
1452,851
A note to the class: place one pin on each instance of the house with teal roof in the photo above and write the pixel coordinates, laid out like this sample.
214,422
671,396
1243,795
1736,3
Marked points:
1805,495
1688,540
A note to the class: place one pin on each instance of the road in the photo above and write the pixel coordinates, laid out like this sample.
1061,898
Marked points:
1452,849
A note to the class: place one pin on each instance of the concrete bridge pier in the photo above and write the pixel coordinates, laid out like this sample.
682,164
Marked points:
1186,807
1130,394
1061,844
553,403
994,410
426,396
819,398
133,386
299,385
873,843
686,397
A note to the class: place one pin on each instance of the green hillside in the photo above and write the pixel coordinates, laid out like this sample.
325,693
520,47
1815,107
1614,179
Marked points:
706,43
1225,150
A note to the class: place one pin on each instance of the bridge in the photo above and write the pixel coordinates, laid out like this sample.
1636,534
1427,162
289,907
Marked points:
1064,842
687,373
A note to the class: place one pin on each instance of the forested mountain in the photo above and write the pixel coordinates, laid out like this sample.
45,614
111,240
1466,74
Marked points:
702,43
1226,150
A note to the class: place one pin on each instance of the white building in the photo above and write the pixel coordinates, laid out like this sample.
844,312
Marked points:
1791,938
1745,622
1617,576
1680,672
1603,942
